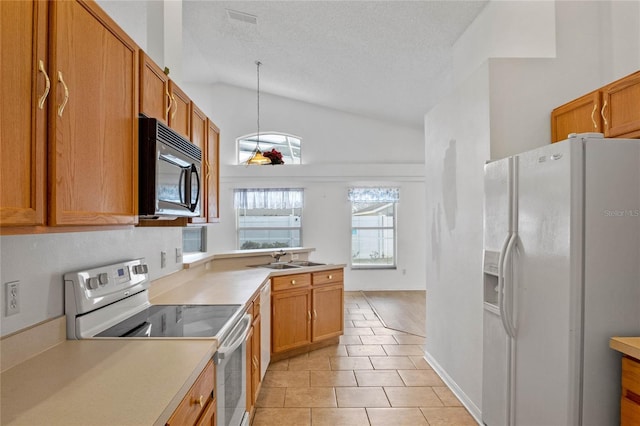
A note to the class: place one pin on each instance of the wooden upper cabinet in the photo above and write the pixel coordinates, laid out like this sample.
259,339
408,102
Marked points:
212,174
154,89
613,110
198,127
93,118
578,116
24,68
621,107
179,111
199,138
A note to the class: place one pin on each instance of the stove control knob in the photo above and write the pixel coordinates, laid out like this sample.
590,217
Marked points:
103,278
140,269
92,283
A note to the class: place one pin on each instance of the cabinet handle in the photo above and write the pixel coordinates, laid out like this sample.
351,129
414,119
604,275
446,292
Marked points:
66,95
47,84
255,362
604,107
309,315
199,401
175,106
293,282
315,314
330,277
593,119
170,102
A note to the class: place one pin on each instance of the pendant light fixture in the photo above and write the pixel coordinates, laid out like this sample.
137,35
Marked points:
257,158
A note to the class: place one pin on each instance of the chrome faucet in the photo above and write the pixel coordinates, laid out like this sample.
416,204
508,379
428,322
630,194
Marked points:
278,254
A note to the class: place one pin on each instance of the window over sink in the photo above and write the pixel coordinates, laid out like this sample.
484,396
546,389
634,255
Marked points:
268,217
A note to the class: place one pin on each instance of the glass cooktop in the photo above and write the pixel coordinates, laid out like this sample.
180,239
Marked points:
175,321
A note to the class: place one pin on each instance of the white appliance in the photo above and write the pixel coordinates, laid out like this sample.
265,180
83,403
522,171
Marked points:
561,276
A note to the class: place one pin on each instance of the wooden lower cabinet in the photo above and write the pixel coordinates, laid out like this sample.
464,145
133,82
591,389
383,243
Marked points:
290,319
253,356
630,400
198,407
306,309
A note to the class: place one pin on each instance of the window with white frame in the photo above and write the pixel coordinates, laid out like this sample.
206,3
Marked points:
268,218
373,227
288,145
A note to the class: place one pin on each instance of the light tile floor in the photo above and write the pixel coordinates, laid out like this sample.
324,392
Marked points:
375,376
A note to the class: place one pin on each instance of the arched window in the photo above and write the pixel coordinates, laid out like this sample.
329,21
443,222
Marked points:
288,145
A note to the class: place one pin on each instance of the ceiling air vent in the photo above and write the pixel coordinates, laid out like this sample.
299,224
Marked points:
243,17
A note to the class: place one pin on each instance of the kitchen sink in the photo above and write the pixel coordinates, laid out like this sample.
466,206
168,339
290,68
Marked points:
305,263
276,266
288,265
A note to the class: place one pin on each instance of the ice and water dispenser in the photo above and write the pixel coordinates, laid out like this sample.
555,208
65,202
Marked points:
490,263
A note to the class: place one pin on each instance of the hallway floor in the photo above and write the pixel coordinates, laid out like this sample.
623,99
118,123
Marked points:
375,376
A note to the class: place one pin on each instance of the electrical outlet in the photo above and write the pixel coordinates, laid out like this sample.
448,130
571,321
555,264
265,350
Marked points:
294,256
12,298
163,259
178,255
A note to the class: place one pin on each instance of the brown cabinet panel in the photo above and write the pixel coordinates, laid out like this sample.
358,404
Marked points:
197,399
328,277
621,107
289,282
180,112
630,398
578,116
93,122
290,320
154,89
25,69
212,174
328,312
199,138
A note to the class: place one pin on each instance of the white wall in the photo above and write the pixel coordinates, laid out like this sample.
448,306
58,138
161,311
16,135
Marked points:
39,262
339,150
454,164
507,102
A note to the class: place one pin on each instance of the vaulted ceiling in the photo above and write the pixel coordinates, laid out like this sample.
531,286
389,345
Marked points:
384,59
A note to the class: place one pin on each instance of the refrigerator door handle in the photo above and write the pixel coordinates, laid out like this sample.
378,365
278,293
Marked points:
501,259
507,302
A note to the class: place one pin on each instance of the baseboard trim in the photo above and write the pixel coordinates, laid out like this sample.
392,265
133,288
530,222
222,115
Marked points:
459,393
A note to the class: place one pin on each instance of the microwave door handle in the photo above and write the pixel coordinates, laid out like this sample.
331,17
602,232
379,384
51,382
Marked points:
182,186
194,172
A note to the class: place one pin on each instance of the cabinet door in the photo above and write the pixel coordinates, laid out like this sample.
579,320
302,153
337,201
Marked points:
180,114
249,369
578,116
255,359
328,311
93,155
25,69
290,320
208,417
621,107
212,175
199,138
154,89
195,402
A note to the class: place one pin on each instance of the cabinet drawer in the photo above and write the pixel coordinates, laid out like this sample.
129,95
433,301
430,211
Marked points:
327,277
196,400
631,375
288,282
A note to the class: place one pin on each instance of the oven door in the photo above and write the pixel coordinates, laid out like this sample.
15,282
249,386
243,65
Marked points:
231,375
177,182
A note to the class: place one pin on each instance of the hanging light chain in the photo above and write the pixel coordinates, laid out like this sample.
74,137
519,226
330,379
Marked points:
258,63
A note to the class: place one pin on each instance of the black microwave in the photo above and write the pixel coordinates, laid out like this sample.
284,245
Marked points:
169,172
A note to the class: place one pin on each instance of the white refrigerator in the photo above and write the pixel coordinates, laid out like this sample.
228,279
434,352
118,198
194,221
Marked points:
561,276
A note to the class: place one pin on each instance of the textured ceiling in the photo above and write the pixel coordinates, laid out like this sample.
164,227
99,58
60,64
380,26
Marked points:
384,59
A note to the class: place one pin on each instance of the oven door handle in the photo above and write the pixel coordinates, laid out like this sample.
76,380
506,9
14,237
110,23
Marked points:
237,337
